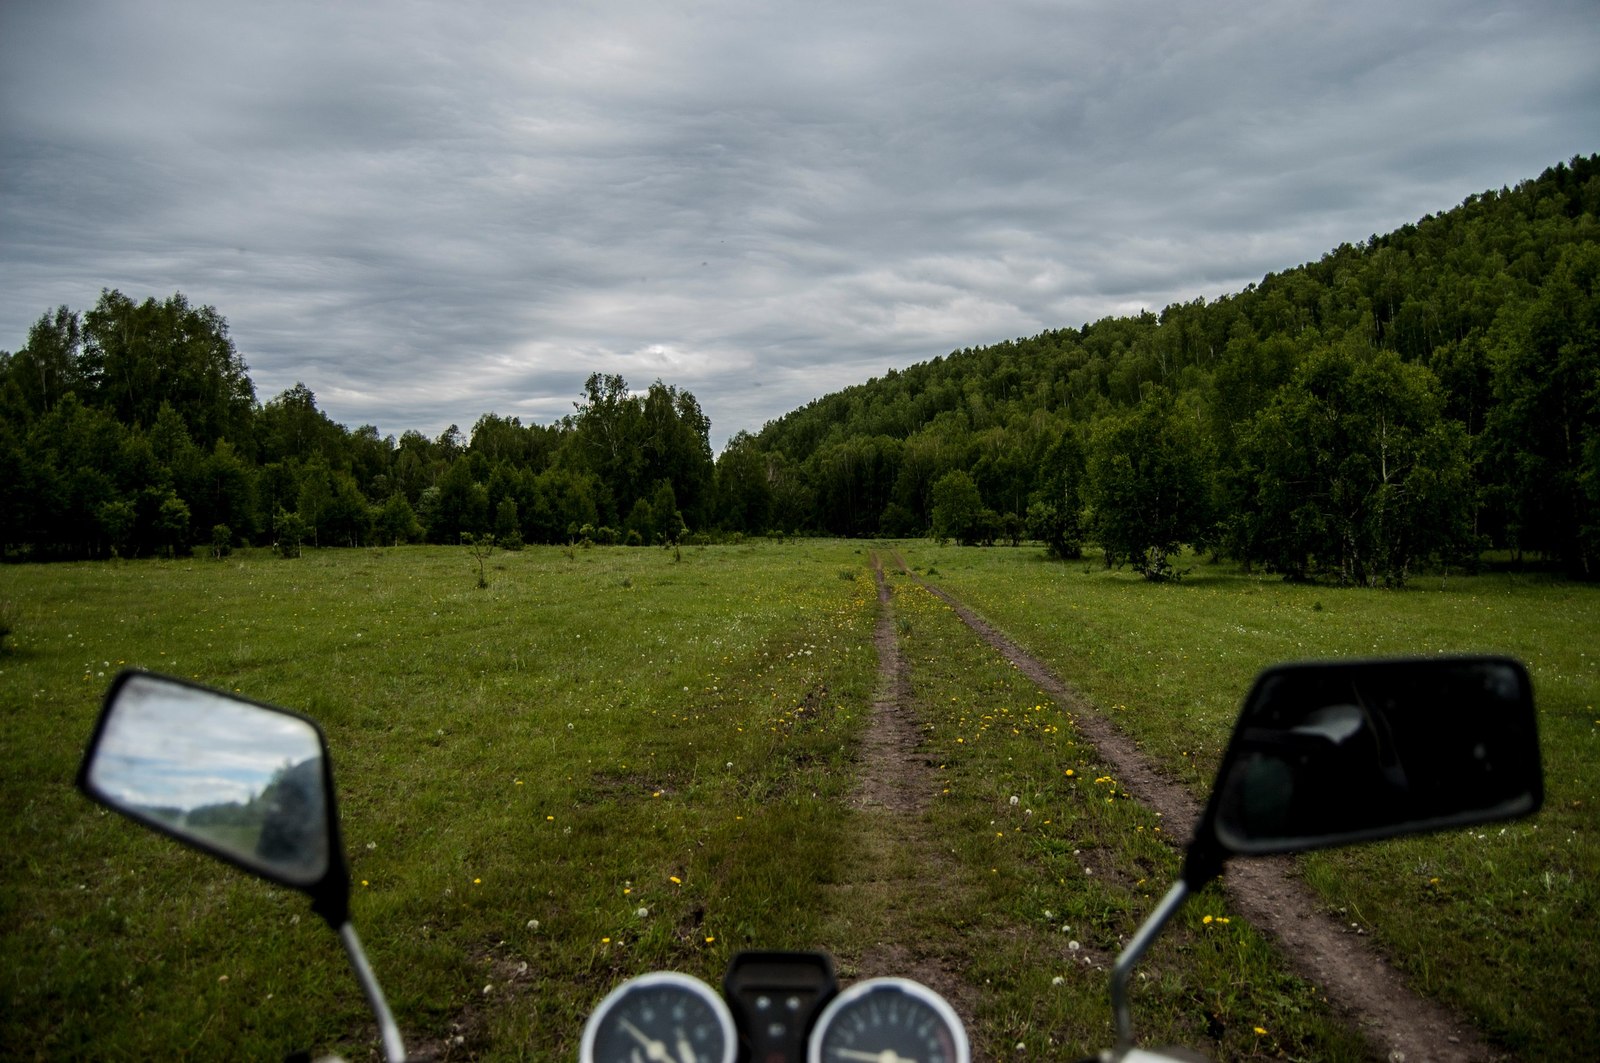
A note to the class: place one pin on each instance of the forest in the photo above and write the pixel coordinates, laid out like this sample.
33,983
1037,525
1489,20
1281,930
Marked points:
1407,403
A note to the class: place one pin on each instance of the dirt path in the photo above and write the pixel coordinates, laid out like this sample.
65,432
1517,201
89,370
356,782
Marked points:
1401,1026
895,855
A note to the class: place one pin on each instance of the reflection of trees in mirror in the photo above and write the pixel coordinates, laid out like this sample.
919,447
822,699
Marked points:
294,821
244,781
282,828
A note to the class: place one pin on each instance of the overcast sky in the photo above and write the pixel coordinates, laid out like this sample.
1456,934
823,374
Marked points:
429,210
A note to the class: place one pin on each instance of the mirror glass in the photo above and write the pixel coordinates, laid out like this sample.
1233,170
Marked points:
1330,753
240,779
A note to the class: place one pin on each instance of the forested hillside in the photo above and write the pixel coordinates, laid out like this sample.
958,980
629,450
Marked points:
1409,400
1406,402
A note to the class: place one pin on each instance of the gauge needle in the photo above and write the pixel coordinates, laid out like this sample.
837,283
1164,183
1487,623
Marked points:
653,1049
685,1049
888,1055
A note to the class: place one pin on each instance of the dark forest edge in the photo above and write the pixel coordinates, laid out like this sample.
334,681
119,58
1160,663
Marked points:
1404,404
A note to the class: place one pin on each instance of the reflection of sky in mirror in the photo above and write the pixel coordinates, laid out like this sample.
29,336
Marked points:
167,745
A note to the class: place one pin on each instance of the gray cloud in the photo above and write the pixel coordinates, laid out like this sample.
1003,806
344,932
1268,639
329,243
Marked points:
429,211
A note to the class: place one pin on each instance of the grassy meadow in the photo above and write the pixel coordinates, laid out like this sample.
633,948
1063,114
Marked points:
1484,920
607,761
617,760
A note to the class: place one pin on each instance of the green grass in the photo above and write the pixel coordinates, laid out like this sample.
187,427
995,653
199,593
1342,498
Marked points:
522,768
1053,884
1497,922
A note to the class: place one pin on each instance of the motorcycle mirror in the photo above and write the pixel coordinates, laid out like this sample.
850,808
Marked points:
248,783
245,782
1332,753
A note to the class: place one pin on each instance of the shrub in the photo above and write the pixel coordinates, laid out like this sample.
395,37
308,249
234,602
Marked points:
290,532
479,548
221,541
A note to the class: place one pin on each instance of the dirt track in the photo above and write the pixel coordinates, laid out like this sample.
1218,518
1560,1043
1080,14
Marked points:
1400,1026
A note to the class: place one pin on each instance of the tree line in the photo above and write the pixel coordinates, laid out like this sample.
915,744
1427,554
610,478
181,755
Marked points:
1405,402
134,429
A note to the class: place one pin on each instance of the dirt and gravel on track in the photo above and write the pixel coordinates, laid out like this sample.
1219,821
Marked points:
1361,985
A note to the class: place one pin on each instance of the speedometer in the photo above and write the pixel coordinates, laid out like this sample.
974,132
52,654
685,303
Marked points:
664,1017
888,1020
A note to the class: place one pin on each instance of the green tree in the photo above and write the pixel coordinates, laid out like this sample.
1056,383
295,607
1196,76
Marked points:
744,486
667,523
1358,474
639,527
958,510
347,518
462,505
224,492
49,365
507,526
607,440
1148,484
314,499
172,524
396,522
138,356
289,533
854,480
1542,430
1055,516
72,454
291,428
117,519
677,450
480,548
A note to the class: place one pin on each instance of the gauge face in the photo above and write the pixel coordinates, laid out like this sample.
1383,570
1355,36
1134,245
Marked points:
660,1018
888,1020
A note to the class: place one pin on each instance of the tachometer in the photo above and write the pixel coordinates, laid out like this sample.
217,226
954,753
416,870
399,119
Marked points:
664,1017
888,1020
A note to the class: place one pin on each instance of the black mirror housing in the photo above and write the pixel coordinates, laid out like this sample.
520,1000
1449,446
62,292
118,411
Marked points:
248,783
1334,753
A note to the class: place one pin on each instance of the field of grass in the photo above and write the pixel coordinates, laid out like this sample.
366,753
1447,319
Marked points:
616,760
1496,922
1060,866
604,763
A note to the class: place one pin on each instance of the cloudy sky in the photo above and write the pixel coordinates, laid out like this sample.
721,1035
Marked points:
430,210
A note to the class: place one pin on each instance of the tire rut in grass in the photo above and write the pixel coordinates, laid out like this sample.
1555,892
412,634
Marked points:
893,856
1360,983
